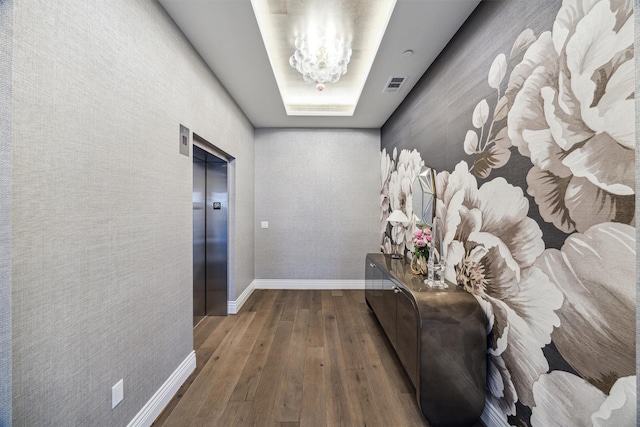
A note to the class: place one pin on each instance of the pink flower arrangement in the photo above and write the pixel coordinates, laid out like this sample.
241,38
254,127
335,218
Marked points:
421,240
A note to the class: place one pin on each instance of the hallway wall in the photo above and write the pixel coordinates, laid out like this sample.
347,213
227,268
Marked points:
317,188
102,256
528,117
6,34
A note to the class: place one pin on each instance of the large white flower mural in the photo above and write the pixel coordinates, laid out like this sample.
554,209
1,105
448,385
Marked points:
565,400
400,184
573,115
492,248
565,101
492,144
387,166
596,273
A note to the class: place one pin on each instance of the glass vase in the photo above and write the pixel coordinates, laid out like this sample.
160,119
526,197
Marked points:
437,257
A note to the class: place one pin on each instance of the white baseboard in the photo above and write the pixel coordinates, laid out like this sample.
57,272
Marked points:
493,417
165,393
308,284
233,307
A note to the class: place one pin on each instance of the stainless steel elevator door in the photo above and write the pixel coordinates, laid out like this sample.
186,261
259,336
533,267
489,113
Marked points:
210,235
199,240
217,208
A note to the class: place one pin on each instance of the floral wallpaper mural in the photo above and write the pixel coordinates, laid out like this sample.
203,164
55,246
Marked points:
536,189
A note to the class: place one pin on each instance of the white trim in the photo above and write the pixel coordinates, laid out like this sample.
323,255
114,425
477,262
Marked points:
492,416
164,394
233,307
308,284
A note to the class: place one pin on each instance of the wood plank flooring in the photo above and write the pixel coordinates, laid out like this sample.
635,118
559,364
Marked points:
295,359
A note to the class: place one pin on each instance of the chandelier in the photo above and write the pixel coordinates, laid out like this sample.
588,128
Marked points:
323,63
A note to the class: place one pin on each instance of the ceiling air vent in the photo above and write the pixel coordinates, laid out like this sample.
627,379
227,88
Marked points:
394,84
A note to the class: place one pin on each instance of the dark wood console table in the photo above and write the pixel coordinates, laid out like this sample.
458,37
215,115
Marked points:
440,337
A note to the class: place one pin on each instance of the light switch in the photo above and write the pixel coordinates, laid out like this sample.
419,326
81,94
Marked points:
264,224
117,393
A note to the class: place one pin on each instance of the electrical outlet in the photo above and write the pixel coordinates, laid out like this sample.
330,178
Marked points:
117,393
264,224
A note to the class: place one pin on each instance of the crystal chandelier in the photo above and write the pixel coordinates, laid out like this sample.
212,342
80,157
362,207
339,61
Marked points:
324,63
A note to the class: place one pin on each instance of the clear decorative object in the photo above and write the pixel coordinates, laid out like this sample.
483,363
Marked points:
437,257
419,265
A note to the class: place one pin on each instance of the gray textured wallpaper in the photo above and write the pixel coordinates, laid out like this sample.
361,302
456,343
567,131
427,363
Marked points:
318,189
6,33
102,215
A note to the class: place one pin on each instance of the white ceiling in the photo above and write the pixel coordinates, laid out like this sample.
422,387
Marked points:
225,33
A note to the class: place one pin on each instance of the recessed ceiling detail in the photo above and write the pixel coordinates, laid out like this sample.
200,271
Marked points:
226,35
357,26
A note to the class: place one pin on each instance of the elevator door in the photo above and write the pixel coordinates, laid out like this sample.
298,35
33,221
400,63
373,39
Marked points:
199,239
210,235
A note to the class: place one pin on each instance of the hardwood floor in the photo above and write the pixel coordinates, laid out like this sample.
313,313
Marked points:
295,358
